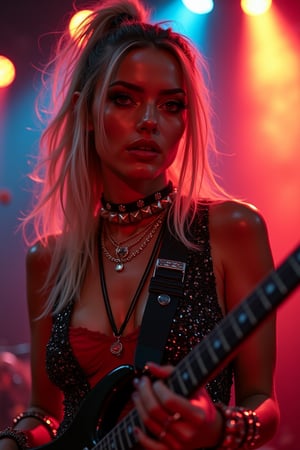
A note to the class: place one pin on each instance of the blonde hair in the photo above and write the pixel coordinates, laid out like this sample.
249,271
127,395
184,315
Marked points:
68,172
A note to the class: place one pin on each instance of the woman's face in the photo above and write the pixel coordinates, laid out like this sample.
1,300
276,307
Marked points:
144,118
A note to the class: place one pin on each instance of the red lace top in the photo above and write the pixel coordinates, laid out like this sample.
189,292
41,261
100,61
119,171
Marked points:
92,351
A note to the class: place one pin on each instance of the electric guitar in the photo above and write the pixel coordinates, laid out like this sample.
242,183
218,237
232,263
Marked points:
93,427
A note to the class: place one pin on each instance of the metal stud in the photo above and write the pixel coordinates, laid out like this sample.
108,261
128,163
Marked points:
164,299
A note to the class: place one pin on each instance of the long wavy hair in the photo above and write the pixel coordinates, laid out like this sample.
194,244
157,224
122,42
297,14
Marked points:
68,170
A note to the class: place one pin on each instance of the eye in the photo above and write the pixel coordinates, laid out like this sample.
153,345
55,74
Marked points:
121,99
173,106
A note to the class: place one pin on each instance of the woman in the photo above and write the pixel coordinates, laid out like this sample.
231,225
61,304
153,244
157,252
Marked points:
123,156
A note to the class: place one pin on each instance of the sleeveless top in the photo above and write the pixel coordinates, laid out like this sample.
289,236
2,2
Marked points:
197,314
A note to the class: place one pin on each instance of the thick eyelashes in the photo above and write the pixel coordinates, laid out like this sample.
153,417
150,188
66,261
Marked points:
174,106
121,99
125,100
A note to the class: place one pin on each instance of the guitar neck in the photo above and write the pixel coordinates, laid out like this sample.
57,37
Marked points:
206,357
199,365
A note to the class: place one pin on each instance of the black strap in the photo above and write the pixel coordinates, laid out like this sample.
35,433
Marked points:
166,288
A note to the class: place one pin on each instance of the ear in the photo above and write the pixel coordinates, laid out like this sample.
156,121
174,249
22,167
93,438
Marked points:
75,97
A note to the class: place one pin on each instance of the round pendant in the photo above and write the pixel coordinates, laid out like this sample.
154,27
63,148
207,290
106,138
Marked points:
116,348
119,267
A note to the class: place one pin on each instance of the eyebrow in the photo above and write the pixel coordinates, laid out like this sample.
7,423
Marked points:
136,88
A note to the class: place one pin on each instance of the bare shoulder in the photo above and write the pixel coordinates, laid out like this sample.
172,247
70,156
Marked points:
38,260
239,235
39,255
236,217
240,249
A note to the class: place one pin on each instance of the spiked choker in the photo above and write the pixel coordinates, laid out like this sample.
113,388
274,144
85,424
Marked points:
125,213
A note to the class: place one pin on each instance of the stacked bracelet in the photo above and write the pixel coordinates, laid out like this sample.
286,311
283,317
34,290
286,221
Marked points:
47,421
253,428
18,436
241,427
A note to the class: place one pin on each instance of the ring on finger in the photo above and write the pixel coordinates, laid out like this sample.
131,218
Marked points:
172,418
162,435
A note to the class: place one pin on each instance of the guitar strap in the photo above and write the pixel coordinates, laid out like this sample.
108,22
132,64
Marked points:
165,290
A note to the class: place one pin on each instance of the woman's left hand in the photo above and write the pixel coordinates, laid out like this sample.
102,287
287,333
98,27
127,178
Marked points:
172,421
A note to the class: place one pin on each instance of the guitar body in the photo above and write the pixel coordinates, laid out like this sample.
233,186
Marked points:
98,413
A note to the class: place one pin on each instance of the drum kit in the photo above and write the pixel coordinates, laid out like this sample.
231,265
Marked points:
14,382
14,368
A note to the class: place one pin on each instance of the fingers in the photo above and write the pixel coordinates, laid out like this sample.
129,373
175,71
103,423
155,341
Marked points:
162,413
159,371
151,412
171,421
167,425
164,440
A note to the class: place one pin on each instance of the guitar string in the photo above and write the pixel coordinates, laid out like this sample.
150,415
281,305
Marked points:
109,437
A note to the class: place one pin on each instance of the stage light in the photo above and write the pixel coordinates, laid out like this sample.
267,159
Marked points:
199,6
7,71
77,21
271,76
255,7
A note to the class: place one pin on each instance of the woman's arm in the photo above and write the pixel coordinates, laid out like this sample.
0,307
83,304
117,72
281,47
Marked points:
46,399
242,254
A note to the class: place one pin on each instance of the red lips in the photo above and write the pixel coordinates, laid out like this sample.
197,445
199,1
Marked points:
144,145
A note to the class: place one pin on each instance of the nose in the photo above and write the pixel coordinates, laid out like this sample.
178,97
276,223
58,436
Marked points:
148,120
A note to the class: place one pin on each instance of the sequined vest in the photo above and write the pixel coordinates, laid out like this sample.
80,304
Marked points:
197,314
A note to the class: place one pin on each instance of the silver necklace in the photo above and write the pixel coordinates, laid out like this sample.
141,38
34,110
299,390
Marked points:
123,254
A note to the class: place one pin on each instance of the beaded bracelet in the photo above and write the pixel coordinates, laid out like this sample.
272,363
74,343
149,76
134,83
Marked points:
47,421
253,424
18,436
241,427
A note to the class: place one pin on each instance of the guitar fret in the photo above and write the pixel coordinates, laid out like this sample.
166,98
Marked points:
114,445
281,286
106,444
183,386
265,300
185,372
127,430
191,373
224,341
235,327
120,440
251,315
210,349
201,365
295,265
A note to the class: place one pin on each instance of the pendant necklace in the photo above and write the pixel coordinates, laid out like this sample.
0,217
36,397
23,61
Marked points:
123,255
116,347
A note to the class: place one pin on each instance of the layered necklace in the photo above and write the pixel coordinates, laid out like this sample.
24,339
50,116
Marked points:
116,347
123,254
153,204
